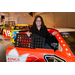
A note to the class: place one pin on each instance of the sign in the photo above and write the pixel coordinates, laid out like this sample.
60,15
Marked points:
6,33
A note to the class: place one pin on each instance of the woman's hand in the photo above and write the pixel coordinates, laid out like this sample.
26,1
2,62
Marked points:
54,33
28,34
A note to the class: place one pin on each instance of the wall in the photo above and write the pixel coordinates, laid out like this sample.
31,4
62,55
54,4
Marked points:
25,19
61,19
71,18
51,19
19,18
58,19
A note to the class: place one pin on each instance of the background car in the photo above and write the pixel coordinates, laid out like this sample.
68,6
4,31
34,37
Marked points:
20,28
17,27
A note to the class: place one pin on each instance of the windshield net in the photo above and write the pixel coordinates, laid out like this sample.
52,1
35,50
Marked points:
69,38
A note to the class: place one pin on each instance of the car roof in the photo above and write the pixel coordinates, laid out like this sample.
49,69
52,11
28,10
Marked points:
21,25
65,29
2,24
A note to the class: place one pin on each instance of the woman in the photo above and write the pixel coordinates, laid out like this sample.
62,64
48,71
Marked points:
40,29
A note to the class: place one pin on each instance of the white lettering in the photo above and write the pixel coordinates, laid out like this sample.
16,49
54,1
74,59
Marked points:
7,33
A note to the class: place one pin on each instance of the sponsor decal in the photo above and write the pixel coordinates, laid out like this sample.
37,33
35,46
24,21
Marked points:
13,59
13,34
13,56
65,33
7,32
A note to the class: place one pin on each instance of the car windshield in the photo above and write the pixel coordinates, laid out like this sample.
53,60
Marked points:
21,27
1,25
7,27
69,38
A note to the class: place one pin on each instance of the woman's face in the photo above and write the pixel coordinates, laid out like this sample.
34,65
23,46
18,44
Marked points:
38,21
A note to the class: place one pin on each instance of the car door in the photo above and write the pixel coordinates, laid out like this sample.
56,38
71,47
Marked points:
63,53
15,54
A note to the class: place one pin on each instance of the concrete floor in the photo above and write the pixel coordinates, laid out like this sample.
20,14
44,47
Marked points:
4,44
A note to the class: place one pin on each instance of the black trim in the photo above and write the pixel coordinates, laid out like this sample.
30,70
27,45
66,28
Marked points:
60,58
45,57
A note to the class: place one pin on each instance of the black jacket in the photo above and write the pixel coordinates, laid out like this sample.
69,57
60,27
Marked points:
46,34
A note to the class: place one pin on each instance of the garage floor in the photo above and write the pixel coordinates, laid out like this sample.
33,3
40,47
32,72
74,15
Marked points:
4,43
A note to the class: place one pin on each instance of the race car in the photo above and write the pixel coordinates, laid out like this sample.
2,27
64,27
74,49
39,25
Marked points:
32,49
7,33
1,27
22,29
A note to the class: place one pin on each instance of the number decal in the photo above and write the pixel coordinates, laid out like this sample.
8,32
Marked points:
7,33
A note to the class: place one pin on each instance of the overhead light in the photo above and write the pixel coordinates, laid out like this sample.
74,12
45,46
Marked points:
2,14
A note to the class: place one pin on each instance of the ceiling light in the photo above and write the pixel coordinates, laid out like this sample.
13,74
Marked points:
2,14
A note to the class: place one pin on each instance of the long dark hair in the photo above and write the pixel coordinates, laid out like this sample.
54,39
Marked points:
42,24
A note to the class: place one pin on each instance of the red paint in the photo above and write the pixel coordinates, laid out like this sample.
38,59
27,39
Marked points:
37,55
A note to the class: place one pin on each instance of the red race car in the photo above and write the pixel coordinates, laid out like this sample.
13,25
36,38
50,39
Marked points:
32,49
